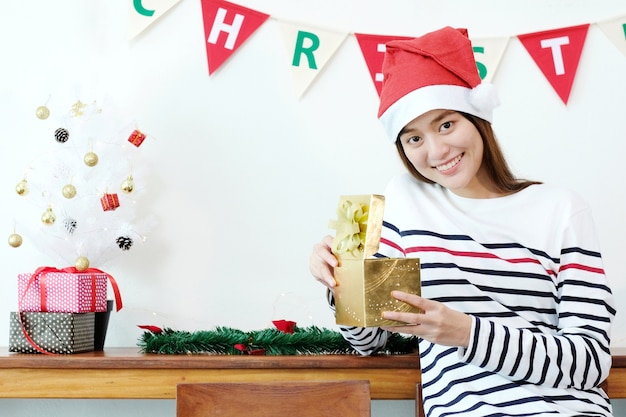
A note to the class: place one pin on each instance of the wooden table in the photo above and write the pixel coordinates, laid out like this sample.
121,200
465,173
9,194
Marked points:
126,373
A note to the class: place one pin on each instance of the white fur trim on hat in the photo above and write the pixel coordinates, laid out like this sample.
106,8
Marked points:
479,102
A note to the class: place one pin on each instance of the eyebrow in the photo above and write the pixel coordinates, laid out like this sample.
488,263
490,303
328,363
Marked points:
436,120
442,116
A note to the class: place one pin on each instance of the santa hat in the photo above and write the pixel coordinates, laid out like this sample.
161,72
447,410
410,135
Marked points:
435,71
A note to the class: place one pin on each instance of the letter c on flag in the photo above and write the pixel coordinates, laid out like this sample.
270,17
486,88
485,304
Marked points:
141,10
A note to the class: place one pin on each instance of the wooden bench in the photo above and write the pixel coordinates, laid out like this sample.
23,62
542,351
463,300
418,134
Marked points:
277,398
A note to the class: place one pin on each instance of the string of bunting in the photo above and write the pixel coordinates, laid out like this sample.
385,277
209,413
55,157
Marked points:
286,339
227,26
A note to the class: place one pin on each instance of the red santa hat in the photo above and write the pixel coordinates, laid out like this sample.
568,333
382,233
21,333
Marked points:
435,71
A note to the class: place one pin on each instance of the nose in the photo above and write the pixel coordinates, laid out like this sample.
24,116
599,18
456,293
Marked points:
437,149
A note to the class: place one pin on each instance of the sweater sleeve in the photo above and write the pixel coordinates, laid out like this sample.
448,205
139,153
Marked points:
365,340
577,353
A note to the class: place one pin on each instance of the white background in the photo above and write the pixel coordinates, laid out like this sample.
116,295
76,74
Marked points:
243,176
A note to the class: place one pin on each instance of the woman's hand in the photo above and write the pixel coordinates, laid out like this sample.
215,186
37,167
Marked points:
322,262
437,324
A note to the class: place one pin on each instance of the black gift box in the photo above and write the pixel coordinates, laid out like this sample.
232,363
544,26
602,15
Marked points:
52,332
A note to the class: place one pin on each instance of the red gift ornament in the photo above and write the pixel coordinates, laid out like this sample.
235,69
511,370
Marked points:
109,202
136,138
285,326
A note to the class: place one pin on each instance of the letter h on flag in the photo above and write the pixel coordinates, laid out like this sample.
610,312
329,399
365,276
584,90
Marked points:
226,27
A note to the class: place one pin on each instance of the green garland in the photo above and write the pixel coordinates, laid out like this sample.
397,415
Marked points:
227,341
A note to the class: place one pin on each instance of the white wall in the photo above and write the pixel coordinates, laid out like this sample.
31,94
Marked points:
244,176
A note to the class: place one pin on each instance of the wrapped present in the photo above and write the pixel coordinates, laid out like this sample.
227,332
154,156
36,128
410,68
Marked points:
53,290
364,282
109,202
136,137
61,333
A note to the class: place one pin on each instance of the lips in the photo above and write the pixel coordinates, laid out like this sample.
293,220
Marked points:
449,165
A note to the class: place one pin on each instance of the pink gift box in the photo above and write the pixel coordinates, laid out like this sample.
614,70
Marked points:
62,292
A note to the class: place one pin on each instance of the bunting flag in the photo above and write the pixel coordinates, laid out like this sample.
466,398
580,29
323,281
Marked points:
557,53
373,50
309,50
142,13
615,30
488,53
226,27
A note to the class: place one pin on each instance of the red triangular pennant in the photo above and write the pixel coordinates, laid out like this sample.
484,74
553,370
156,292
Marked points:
373,50
226,27
557,53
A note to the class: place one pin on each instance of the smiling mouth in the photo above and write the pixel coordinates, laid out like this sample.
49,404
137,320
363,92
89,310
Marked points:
448,165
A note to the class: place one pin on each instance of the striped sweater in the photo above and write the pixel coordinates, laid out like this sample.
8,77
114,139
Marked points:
527,268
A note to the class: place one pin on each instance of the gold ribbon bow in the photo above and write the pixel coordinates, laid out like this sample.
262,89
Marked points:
351,227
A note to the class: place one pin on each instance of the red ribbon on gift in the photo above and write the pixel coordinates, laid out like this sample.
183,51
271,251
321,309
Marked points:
43,271
43,292
116,290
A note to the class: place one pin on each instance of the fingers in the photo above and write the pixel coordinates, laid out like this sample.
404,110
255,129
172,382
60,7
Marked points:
324,249
409,318
322,262
437,323
412,299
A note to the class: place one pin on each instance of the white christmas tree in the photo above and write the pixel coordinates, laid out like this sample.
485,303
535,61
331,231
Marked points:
77,201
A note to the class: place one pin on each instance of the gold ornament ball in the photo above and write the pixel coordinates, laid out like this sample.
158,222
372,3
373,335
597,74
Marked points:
21,188
82,263
69,191
128,185
90,159
15,240
42,112
48,216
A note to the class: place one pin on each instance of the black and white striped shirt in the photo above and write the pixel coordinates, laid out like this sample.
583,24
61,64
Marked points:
527,268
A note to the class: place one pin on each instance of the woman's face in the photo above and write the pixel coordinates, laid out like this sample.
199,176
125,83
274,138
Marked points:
447,148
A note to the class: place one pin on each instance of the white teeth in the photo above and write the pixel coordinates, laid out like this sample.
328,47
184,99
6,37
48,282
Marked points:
450,164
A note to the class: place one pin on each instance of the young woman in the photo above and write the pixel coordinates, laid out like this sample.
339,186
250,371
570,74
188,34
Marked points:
516,306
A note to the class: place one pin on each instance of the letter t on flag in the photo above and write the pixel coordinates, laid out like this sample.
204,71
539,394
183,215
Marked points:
226,27
557,53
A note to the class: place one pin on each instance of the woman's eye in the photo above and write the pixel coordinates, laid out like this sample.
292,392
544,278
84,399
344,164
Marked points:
413,139
445,126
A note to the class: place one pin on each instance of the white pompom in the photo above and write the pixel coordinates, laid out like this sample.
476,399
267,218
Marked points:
484,97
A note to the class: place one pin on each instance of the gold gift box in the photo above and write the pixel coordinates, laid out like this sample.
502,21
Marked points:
364,283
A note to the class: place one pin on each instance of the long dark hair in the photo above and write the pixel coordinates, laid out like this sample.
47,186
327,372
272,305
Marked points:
493,160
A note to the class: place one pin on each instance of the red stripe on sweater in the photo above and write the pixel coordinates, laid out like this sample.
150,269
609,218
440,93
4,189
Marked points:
582,268
484,255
